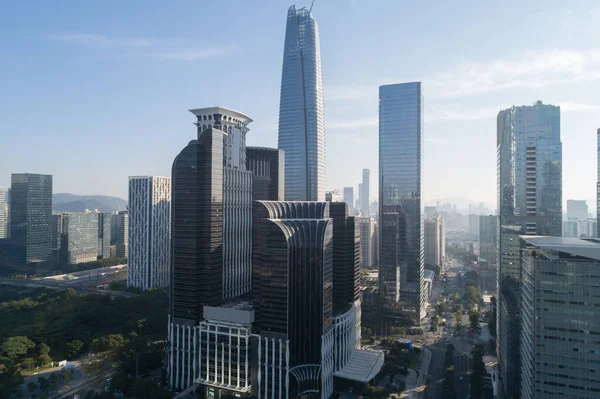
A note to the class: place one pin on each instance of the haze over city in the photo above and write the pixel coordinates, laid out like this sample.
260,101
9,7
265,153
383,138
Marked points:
94,94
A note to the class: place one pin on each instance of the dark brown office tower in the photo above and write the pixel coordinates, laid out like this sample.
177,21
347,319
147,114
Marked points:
197,227
267,166
346,257
292,251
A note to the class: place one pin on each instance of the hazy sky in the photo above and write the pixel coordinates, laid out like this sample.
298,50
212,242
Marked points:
93,92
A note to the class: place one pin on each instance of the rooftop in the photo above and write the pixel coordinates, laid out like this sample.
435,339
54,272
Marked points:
363,366
588,248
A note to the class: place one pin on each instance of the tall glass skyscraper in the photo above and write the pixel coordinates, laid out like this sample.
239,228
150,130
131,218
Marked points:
400,193
301,119
529,154
598,189
31,215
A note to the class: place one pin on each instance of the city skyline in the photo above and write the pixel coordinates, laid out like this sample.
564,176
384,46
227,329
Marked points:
461,117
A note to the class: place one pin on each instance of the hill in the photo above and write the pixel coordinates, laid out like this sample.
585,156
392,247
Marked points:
64,202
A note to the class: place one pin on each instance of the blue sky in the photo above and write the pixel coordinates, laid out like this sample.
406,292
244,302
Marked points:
95,91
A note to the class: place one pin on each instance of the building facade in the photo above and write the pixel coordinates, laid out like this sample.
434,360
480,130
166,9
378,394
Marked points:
367,229
365,190
434,242
577,209
488,240
104,220
349,198
79,237
529,155
307,303
211,247
598,186
149,237
122,230
400,192
31,217
3,214
267,166
301,116
560,320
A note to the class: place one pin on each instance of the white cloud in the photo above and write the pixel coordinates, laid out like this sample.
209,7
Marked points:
169,49
532,70
578,107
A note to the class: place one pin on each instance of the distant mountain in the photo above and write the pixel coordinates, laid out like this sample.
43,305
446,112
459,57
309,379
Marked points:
64,202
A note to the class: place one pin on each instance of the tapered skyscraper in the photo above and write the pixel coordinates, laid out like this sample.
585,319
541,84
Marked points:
301,119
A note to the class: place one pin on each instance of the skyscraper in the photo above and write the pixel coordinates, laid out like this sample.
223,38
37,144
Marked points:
560,320
400,193
529,152
349,198
104,220
31,216
122,228
211,246
365,191
488,240
301,118
367,228
3,214
267,166
149,257
598,186
434,242
577,209
308,318
79,238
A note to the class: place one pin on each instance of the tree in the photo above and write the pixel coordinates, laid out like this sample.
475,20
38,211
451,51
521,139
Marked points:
28,363
14,347
441,308
474,319
74,348
31,387
472,297
478,373
68,376
43,360
44,384
43,349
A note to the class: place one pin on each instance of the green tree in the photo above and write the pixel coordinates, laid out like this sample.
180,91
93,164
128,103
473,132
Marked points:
43,349
68,376
14,347
43,360
28,363
44,384
31,387
74,348
472,297
476,379
474,320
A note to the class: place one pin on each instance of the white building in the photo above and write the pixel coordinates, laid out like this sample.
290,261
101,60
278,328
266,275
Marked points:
149,232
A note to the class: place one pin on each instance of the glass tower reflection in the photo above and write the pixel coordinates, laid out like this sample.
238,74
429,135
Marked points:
529,156
400,192
301,119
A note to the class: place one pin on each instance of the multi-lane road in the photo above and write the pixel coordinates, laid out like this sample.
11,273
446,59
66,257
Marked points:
82,282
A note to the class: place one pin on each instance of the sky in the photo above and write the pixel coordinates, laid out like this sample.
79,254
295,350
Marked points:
95,91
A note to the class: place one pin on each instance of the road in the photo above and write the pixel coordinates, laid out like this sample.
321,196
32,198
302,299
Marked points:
435,389
462,365
57,285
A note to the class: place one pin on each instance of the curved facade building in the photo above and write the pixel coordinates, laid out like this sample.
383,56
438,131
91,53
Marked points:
301,118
